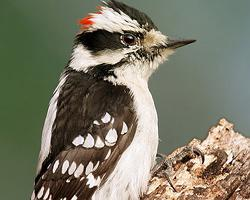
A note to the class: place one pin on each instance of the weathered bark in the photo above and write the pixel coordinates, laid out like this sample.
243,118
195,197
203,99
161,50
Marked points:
225,174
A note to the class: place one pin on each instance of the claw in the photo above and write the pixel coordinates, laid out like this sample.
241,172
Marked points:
160,169
170,182
160,155
198,152
164,174
187,153
165,164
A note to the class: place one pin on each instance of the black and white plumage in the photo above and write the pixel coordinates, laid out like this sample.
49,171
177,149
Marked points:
100,135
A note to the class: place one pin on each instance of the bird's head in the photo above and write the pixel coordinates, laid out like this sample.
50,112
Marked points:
120,41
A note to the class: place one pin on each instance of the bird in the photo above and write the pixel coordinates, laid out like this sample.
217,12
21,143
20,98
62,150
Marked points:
100,135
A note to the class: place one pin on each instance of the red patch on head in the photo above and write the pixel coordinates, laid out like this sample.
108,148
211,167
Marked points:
86,22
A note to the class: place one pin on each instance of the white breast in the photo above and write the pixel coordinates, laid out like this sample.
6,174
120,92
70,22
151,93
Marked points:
131,175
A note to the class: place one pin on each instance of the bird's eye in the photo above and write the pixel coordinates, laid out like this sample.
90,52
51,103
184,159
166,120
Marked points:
129,39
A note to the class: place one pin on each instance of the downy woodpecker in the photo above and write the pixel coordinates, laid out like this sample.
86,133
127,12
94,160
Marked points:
100,136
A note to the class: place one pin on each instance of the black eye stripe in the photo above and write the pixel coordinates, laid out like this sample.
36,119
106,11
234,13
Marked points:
100,40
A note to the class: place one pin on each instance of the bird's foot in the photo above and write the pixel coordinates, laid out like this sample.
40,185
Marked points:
165,167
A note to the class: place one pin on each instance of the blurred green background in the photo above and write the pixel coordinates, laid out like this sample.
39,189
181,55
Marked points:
200,83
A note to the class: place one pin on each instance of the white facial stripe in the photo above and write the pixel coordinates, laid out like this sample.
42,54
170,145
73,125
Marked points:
113,21
111,56
82,59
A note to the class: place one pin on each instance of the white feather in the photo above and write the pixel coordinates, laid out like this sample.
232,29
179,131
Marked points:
82,58
47,128
113,21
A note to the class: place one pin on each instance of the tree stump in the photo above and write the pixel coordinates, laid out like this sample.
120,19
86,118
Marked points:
225,174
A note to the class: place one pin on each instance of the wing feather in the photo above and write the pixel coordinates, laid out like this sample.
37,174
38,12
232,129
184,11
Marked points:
94,125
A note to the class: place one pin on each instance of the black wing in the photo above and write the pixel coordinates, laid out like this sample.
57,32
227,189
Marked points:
95,123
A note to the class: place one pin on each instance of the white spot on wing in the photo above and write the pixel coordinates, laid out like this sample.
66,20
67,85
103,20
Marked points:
98,180
89,168
78,140
92,182
79,171
72,168
108,154
74,197
50,197
111,137
96,122
99,143
106,118
46,194
109,144
89,141
56,164
40,193
33,195
96,165
65,166
49,166
68,181
124,128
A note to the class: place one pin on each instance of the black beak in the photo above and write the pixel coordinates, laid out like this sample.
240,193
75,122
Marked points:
176,43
